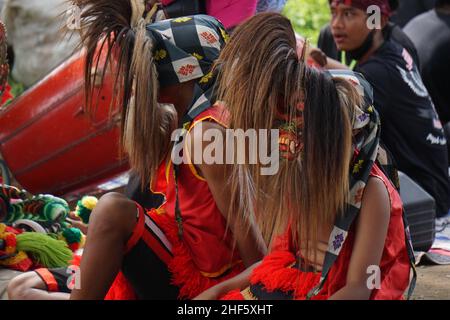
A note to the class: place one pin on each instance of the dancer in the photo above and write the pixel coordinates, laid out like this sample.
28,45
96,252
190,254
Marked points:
331,230
163,70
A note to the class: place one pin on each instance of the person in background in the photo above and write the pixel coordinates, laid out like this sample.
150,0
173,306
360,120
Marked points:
298,206
430,33
408,9
229,12
390,32
411,129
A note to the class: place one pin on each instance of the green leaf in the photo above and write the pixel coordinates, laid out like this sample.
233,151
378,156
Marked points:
308,17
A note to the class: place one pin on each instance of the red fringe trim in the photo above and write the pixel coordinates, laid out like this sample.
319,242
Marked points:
76,260
275,273
233,295
121,289
185,273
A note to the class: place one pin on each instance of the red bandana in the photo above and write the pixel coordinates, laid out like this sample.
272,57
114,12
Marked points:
385,8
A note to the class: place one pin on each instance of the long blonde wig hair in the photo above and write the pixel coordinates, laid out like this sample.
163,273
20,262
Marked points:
259,71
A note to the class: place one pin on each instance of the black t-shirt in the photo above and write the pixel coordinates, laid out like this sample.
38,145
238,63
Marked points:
410,127
391,32
430,33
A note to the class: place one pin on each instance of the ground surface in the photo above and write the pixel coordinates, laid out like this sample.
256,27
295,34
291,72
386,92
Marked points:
433,283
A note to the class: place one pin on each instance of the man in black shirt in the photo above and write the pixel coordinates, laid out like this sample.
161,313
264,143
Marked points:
430,33
391,32
411,129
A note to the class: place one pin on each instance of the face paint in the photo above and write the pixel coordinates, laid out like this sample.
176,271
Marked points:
290,140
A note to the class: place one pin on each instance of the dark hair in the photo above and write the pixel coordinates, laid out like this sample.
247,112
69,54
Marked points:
394,4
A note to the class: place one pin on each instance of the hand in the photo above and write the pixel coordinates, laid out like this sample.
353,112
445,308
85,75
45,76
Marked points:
316,56
316,255
212,293
313,55
301,42
76,222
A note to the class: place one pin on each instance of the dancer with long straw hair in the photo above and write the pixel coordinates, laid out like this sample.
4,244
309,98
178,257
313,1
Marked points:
162,82
332,217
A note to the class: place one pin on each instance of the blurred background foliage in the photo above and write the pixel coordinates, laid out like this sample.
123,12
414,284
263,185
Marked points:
308,17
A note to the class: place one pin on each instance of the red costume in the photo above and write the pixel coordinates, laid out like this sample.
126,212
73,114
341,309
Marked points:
278,278
205,254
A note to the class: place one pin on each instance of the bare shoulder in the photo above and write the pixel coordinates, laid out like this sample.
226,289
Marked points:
375,202
202,134
114,213
197,133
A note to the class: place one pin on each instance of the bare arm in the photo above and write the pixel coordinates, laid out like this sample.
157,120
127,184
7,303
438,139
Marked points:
30,286
248,238
317,55
325,62
321,59
111,224
371,232
241,281
334,64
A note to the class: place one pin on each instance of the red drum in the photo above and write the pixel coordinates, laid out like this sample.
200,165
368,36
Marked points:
48,142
